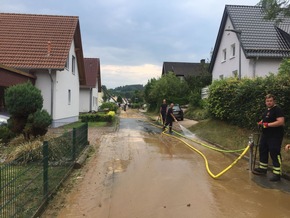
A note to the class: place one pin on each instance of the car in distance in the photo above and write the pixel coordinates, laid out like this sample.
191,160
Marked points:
3,119
177,112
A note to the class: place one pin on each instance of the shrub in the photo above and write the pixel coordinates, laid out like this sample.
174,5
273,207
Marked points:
241,102
24,103
5,134
98,117
23,99
111,106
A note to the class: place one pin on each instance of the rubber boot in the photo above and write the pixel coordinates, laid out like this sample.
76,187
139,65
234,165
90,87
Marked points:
275,178
259,171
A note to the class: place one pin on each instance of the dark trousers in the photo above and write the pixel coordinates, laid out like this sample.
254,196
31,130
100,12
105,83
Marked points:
169,123
163,115
273,146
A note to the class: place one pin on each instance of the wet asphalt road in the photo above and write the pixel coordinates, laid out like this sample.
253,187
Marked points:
137,172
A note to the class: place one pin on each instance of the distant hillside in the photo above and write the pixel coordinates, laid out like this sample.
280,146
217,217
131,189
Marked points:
129,92
128,88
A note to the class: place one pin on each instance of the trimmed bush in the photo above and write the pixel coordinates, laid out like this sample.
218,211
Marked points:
98,117
111,106
241,102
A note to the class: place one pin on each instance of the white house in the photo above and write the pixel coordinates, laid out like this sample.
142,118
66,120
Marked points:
263,44
89,93
48,47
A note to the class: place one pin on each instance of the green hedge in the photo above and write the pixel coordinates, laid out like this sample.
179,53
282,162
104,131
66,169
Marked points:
109,105
241,102
98,117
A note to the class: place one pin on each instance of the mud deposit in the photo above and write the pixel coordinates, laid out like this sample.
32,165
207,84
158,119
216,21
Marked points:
137,172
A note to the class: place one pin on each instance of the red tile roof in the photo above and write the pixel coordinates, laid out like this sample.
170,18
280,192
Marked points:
24,40
93,73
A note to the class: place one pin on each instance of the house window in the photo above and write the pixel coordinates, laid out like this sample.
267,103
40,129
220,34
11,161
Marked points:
73,67
235,73
221,76
224,54
69,97
67,63
233,48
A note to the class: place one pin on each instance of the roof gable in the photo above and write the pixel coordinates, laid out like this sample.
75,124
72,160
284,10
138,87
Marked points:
259,37
92,71
30,41
184,68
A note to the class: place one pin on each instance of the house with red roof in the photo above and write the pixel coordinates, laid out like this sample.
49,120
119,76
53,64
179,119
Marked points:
89,92
46,49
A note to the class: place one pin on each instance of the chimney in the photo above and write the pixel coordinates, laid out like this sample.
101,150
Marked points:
48,48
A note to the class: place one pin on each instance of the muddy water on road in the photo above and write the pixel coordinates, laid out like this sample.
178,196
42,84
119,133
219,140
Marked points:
139,173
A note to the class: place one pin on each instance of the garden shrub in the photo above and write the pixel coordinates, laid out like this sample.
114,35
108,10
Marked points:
5,134
111,106
98,117
241,102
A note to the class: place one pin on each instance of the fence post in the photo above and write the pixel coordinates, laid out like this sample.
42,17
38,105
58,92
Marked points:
87,140
74,144
45,168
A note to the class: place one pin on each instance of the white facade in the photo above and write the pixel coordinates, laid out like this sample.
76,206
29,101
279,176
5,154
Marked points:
89,99
61,102
227,59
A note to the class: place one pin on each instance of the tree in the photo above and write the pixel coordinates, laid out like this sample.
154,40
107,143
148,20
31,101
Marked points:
24,103
275,8
168,87
120,99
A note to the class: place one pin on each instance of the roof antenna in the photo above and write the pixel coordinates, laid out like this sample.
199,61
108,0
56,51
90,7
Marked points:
48,48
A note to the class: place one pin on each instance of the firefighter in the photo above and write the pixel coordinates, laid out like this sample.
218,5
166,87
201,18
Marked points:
272,124
169,118
163,109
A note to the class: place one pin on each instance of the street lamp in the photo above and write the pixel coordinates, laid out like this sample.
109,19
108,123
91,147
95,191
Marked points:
238,32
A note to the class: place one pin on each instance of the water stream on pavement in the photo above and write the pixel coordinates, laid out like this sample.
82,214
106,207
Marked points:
186,132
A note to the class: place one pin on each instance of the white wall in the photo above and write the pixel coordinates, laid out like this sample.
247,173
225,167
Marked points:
43,82
250,68
85,98
65,110
89,99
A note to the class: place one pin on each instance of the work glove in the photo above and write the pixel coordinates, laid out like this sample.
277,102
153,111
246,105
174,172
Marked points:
263,124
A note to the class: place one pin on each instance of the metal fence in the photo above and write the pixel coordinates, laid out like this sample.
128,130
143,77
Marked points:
27,182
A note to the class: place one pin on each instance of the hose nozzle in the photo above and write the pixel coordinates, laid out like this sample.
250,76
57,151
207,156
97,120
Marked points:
251,140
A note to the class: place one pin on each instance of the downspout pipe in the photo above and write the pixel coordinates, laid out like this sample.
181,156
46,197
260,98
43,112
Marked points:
51,93
91,99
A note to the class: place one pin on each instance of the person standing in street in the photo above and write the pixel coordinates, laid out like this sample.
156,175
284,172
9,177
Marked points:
169,118
272,124
163,109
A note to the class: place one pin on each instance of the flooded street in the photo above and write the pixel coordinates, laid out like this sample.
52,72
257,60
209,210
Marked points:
137,172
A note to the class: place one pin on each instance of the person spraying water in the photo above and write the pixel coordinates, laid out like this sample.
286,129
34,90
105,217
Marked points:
169,118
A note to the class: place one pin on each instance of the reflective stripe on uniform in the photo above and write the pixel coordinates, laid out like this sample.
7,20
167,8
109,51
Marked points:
263,166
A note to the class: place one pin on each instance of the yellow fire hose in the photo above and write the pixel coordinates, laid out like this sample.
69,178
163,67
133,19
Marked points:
245,150
205,159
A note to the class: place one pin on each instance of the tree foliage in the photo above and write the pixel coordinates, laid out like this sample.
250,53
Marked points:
275,9
168,87
23,99
24,103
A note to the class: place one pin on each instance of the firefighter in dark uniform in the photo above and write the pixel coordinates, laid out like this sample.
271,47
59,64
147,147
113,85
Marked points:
169,118
163,109
272,124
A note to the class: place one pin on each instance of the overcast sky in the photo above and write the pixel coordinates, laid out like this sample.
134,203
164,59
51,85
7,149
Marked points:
133,38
